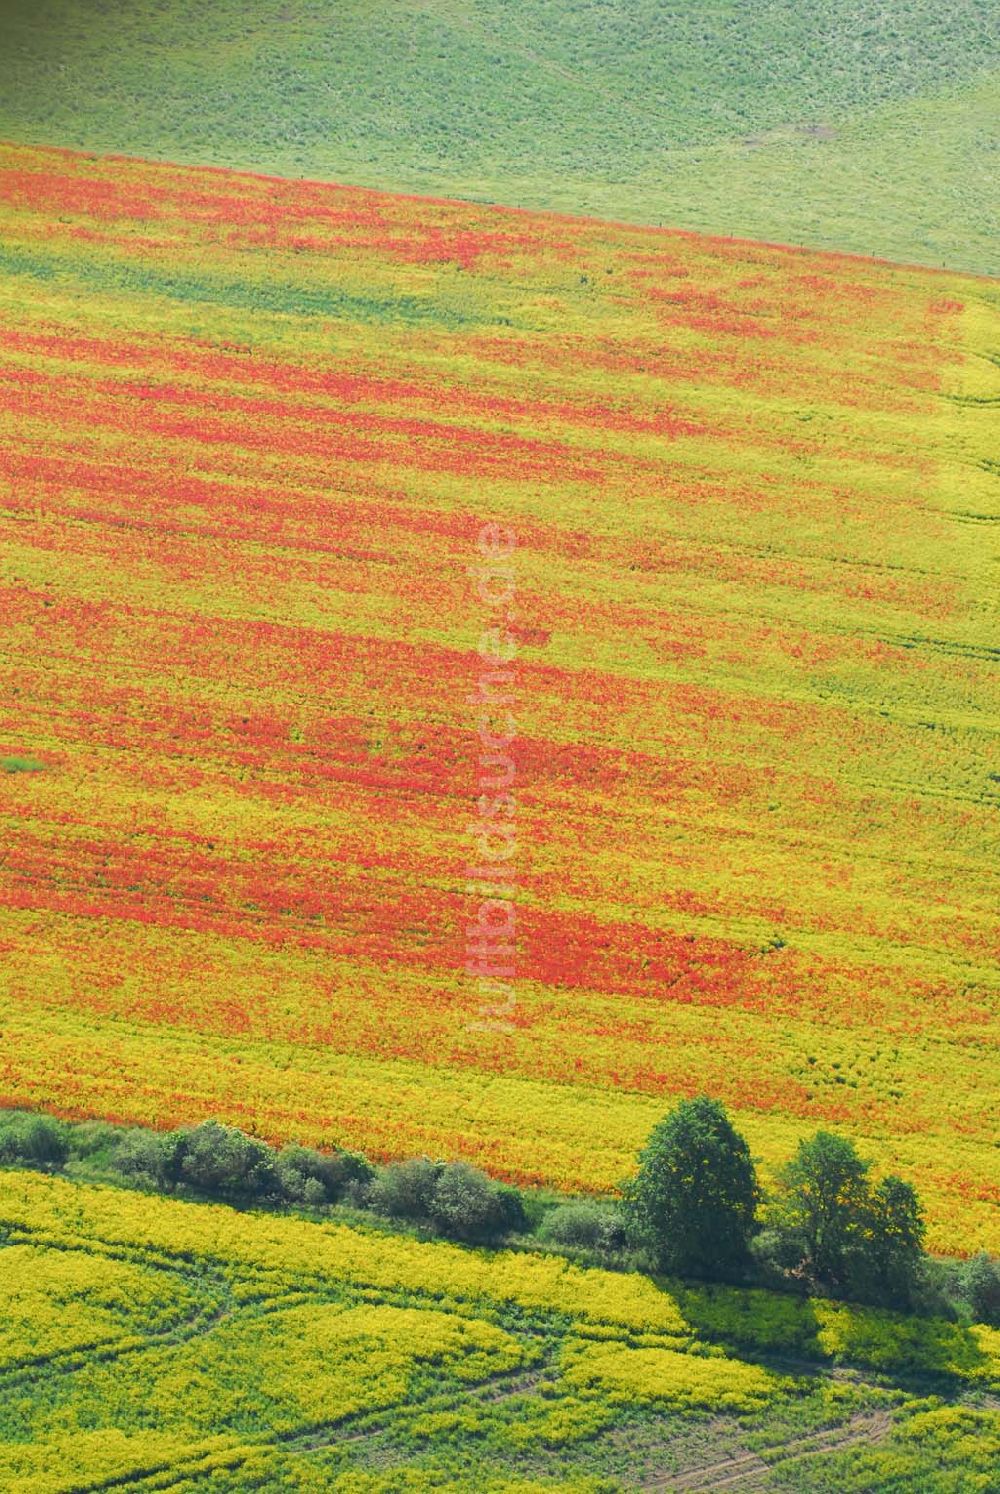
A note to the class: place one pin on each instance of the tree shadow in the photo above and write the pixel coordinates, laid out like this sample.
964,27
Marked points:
808,1334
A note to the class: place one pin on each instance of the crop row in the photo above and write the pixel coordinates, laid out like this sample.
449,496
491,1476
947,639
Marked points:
172,1341
251,430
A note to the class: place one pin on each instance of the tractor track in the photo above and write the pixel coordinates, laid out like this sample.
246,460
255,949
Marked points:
865,1427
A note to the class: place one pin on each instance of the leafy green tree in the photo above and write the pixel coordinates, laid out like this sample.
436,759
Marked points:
885,1264
693,1202
835,1230
822,1206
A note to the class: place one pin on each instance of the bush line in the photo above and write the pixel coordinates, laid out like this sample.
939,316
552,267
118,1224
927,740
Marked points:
694,1208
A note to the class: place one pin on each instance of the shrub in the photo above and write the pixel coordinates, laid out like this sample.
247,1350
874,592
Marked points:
777,1254
936,1293
37,1140
144,1157
404,1190
357,1194
224,1161
693,1202
979,1287
89,1138
513,1214
468,1205
583,1223
309,1176
304,1171
354,1169
614,1237
314,1193
21,765
46,1142
12,1123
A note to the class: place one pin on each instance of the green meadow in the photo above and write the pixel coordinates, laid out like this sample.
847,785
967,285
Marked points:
863,126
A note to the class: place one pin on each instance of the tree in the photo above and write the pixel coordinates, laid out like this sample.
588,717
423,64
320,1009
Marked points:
693,1201
831,1227
822,1205
885,1264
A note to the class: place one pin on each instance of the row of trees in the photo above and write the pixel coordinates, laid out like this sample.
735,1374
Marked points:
695,1207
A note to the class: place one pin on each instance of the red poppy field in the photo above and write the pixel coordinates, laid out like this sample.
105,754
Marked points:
251,430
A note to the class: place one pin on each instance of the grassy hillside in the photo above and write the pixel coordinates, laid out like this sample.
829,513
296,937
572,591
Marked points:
251,431
173,1346
867,126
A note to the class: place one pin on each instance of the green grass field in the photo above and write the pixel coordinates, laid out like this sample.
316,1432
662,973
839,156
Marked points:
865,126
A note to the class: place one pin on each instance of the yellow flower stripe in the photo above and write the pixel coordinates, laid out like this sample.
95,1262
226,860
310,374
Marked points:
251,430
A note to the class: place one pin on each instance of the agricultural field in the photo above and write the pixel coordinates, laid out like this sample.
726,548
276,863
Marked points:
156,1344
252,430
866,125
